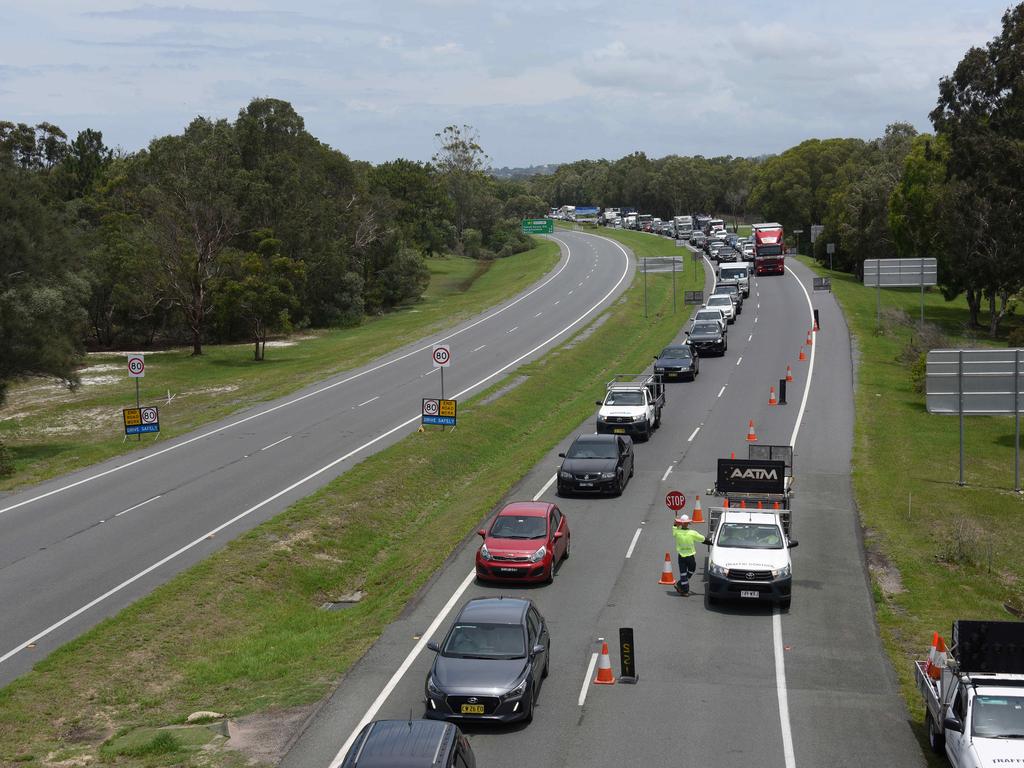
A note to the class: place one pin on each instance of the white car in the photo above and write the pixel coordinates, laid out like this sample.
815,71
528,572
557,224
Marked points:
724,303
749,558
709,313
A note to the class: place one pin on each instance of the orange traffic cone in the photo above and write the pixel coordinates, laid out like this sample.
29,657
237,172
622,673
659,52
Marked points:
726,502
698,511
802,355
931,668
810,341
743,503
732,455
771,396
789,373
666,571
776,505
751,434
760,505
604,668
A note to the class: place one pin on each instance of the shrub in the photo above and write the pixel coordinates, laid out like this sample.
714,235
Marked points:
6,461
1016,337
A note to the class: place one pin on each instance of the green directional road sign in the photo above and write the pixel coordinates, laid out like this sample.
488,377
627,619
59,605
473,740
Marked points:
538,226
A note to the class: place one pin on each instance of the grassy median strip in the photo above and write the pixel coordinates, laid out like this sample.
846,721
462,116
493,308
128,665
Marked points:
937,552
243,631
51,431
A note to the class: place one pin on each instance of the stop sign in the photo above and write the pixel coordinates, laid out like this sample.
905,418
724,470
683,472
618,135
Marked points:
675,500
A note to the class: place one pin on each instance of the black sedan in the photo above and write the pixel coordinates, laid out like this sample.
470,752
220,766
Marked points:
707,338
596,464
491,662
677,362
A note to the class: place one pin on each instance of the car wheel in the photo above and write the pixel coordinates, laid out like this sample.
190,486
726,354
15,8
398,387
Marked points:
529,712
551,572
620,484
547,663
568,546
631,468
784,603
936,740
710,599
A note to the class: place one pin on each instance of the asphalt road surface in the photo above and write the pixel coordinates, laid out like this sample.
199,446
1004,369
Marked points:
734,685
75,550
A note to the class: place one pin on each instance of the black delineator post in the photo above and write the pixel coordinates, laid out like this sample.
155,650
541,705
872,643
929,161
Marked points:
627,655
816,326
782,391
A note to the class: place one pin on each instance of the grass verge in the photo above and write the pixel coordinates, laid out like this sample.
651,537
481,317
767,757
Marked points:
50,431
242,632
937,552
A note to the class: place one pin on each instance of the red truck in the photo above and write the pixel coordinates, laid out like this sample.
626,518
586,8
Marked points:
769,249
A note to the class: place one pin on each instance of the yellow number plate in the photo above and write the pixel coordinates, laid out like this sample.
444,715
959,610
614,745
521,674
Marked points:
472,709
619,431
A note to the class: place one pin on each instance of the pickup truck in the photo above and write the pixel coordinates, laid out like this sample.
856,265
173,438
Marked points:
974,695
632,405
749,557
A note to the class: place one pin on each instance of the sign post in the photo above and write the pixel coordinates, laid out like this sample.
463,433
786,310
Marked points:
136,370
442,356
441,412
899,273
830,249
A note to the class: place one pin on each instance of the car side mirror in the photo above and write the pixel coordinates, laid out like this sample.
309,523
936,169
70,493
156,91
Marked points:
482,532
687,333
538,649
561,455
598,402
793,544
953,723
434,646
558,535
655,357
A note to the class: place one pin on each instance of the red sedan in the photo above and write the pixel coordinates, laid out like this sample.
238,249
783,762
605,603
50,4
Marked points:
524,543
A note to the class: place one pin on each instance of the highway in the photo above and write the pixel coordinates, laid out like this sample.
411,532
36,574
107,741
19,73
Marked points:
733,685
75,550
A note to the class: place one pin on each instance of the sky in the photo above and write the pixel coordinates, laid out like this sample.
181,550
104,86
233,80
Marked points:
541,82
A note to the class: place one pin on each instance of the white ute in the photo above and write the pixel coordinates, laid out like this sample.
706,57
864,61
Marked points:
632,405
974,695
749,556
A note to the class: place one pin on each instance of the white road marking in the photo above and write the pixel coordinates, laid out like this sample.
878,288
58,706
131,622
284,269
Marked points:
241,515
432,370
140,504
721,391
780,690
740,360
755,319
298,399
570,293
367,402
693,435
479,348
545,487
559,301
667,471
514,328
266,447
758,305
632,544
538,314
580,285
750,337
586,681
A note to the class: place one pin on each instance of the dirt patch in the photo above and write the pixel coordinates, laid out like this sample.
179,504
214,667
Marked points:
504,390
265,737
481,269
883,572
588,331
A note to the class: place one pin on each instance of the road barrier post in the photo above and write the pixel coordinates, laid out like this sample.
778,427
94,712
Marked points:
627,656
782,391
817,327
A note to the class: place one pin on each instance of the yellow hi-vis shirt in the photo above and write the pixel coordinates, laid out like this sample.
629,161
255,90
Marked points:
686,540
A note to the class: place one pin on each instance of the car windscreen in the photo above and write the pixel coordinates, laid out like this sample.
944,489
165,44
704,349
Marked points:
676,353
750,536
624,398
720,300
519,527
733,274
998,717
709,328
485,641
592,449
769,250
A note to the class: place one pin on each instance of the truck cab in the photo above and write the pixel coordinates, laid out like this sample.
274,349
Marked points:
632,406
749,556
735,274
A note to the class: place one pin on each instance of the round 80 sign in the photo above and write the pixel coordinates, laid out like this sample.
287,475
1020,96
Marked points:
136,366
442,356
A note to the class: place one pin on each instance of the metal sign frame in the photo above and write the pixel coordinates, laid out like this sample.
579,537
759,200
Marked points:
693,297
900,273
823,284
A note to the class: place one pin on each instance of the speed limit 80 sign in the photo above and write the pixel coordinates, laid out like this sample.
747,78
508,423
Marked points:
442,355
136,365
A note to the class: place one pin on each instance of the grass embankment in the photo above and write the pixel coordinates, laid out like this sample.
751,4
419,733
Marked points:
242,632
938,552
51,431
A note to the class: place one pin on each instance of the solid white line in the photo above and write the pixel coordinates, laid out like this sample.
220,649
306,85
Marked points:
479,348
544,489
667,471
586,681
367,402
295,400
404,667
514,328
140,504
810,366
632,544
721,391
740,360
780,689
693,435
241,515
279,441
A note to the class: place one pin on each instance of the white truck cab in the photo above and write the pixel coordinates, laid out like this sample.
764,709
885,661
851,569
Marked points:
749,556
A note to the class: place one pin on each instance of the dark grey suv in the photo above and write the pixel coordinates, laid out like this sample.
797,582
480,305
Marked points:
491,662
410,743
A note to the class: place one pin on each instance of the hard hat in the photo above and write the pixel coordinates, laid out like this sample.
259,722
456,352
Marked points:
682,519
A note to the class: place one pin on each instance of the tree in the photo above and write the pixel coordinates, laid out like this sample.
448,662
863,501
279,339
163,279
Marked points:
462,162
416,202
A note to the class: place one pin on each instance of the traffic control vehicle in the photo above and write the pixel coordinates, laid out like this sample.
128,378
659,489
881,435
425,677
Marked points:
749,556
524,543
974,694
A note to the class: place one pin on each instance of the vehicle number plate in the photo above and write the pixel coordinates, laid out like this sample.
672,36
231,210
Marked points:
509,570
750,593
472,709
619,431
586,485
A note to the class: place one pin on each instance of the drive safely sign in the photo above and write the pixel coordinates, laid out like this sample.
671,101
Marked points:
439,412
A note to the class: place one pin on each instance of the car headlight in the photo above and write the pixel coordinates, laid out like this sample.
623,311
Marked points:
538,555
484,553
659,370
717,570
642,417
517,691
432,688
607,475
783,572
